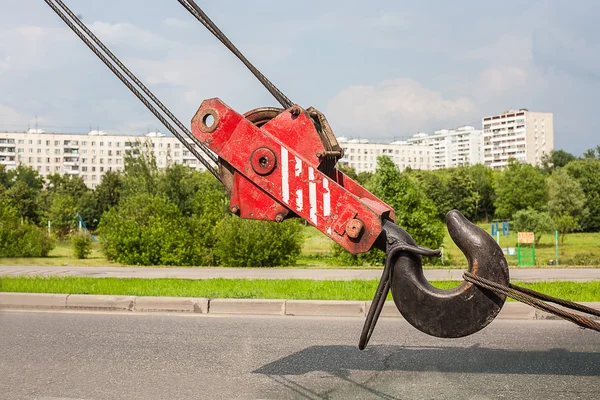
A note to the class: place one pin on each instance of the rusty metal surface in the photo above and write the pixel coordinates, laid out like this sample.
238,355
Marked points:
277,173
463,310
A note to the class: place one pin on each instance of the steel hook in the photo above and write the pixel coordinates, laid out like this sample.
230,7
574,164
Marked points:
462,310
451,313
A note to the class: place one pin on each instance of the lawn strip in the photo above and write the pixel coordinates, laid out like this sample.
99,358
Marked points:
255,288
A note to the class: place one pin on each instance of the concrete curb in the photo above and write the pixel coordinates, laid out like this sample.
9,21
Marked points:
325,308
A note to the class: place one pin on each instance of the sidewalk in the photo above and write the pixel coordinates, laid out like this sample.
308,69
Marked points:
528,275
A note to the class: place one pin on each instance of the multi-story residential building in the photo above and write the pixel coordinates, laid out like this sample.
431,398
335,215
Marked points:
362,155
88,156
520,134
453,147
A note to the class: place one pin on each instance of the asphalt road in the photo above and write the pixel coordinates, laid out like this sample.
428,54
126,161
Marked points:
516,274
80,355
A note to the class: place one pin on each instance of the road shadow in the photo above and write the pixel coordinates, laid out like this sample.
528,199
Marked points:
340,360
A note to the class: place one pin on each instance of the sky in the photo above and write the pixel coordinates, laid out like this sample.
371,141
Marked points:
382,72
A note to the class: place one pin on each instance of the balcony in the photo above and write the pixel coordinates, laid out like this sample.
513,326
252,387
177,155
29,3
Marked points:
72,171
71,163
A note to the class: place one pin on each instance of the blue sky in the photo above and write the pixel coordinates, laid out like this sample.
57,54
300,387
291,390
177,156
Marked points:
381,72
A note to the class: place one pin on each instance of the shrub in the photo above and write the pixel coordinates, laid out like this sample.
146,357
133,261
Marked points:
534,221
82,245
147,230
20,238
245,243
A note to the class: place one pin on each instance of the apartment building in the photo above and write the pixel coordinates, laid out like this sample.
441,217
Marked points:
362,155
520,134
452,148
86,155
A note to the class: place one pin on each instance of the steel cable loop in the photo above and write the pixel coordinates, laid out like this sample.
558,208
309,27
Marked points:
135,79
130,86
197,12
534,301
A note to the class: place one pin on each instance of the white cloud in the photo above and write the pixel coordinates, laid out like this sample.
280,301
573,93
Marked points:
394,107
177,23
126,34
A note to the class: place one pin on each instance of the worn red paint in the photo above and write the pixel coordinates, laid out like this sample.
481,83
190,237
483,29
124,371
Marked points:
293,184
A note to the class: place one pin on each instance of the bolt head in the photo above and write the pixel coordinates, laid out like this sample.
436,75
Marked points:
295,110
234,209
354,228
279,218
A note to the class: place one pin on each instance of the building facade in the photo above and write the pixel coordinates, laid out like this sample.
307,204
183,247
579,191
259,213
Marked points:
520,134
362,155
452,147
88,156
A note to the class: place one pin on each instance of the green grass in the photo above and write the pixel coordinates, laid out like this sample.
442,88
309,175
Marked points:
62,255
575,244
260,288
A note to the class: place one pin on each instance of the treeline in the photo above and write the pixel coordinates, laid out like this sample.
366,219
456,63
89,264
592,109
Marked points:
562,194
143,216
178,216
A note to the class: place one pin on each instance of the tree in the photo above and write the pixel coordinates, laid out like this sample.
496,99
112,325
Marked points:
587,173
531,220
108,192
62,214
556,159
449,189
566,202
348,171
140,174
520,186
180,184
415,212
23,192
592,153
484,184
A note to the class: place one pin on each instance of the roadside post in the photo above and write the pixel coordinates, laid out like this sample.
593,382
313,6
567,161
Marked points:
556,246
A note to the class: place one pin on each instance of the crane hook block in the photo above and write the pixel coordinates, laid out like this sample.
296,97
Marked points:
460,311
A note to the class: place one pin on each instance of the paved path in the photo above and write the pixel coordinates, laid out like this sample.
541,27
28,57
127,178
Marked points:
531,275
95,356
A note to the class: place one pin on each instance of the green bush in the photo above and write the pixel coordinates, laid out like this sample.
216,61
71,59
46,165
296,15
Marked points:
245,243
147,230
82,245
534,221
20,238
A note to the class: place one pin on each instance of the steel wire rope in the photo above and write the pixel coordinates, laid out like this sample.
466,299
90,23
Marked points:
534,299
129,85
131,76
197,12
